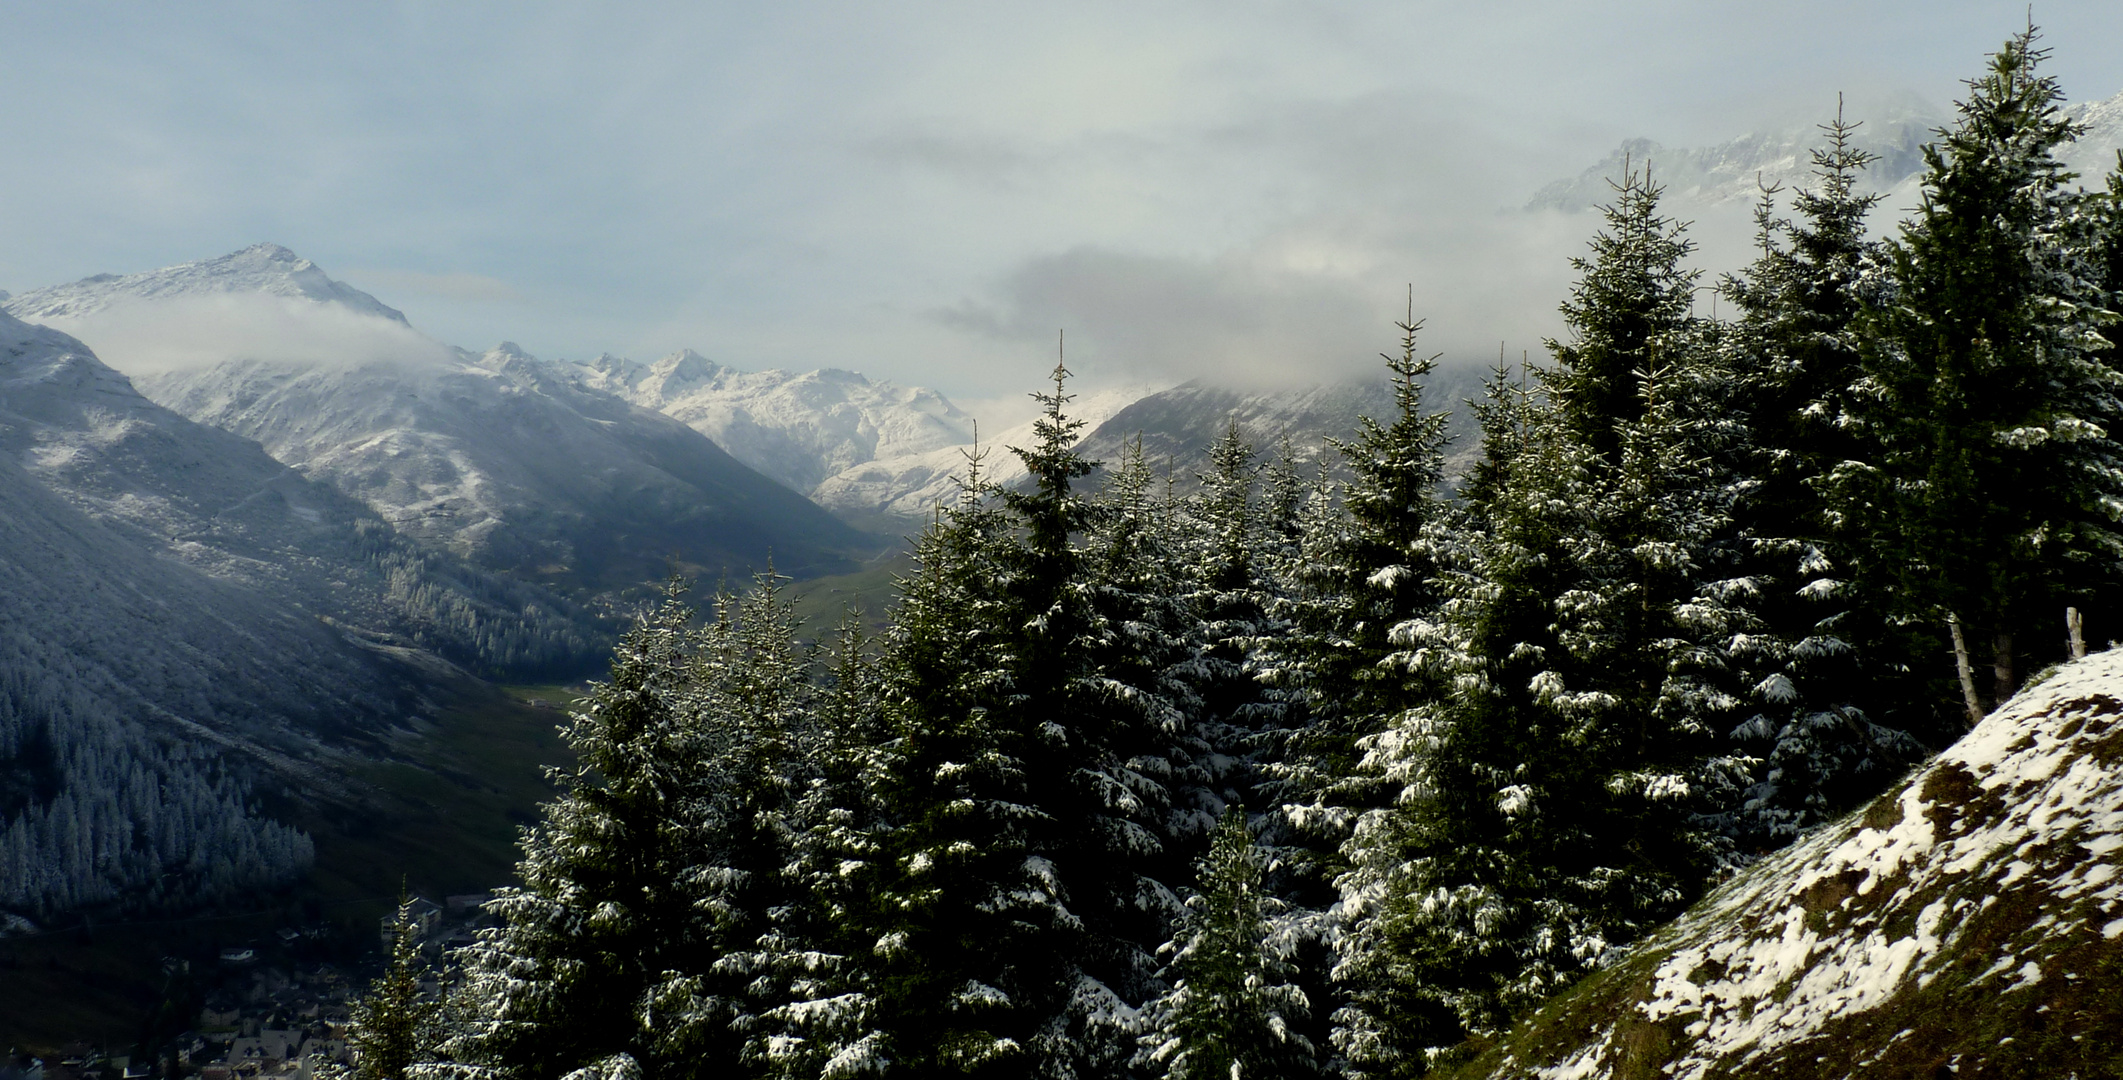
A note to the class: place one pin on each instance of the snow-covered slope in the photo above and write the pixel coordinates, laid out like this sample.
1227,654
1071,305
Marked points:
1729,171
1968,923
142,547
496,457
797,427
1178,426
871,451
164,596
260,553
261,269
908,486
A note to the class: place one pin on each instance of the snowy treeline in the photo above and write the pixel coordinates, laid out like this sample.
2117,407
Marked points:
94,809
483,621
1302,777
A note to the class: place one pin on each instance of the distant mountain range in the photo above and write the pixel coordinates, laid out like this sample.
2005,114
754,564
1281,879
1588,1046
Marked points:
186,619
498,457
1733,173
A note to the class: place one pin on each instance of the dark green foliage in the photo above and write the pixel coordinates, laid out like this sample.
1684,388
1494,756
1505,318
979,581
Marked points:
1989,486
603,910
1234,1011
1824,660
393,1027
1628,314
1553,797
1363,572
1026,787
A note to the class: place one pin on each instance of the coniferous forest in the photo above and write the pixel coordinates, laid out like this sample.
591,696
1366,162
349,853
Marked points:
1310,774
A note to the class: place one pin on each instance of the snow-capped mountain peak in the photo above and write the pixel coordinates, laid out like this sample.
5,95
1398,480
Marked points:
261,269
798,427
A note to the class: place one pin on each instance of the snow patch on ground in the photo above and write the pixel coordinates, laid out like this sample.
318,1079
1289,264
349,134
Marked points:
2027,810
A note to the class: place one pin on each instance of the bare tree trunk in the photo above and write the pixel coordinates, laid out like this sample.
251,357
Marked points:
2002,669
1966,670
2076,627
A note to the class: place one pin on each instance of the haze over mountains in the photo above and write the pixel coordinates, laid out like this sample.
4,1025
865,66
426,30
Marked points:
1717,187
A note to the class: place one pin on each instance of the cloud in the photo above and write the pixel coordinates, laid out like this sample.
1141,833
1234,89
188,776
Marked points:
477,288
155,336
1147,316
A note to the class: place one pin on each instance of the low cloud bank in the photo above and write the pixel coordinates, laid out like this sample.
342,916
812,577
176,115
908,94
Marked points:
158,336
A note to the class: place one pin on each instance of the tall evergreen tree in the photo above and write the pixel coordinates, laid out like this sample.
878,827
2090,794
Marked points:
602,912
1630,309
1825,661
1992,481
1365,569
393,1027
1553,797
743,706
1021,895
1234,1010
813,955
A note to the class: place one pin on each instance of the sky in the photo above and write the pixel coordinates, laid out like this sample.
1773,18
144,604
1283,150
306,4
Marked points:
926,192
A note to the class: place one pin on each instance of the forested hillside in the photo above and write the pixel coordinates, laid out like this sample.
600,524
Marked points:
1292,776
183,619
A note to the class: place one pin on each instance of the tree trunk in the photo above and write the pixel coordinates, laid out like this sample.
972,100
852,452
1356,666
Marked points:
2002,669
1966,670
2076,627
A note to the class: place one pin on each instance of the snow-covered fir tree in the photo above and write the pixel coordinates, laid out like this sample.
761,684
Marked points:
569,981
1025,790
812,956
1991,485
1554,799
1234,1010
1370,554
1823,662
394,1027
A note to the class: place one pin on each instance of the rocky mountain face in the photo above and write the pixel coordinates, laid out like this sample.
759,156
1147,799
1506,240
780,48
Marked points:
498,457
798,427
904,489
1178,426
1969,923
868,450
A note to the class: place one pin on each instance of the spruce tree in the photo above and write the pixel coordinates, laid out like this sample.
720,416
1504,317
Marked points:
1364,571
392,1028
1991,482
1234,1010
812,955
744,704
1825,662
1554,797
603,911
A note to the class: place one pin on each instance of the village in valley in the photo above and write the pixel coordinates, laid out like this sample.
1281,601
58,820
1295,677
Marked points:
272,1008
